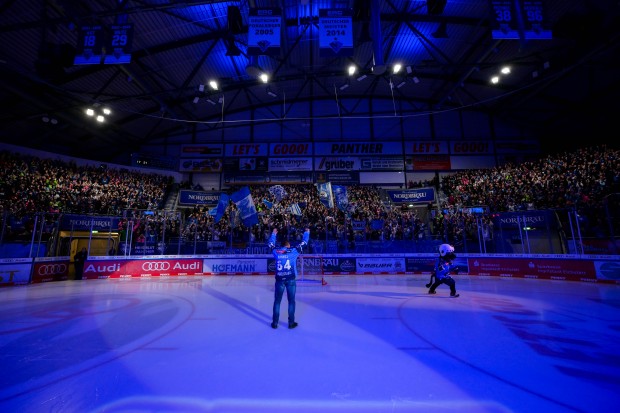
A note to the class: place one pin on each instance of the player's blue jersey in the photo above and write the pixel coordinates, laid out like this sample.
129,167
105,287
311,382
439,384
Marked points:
286,258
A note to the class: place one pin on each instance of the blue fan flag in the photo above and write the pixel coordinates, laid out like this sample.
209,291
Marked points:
341,197
295,209
222,204
325,194
247,210
278,192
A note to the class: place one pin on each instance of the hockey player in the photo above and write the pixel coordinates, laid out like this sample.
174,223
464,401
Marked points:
443,268
286,273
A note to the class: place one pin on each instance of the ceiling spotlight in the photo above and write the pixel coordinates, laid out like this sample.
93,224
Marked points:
397,68
201,88
409,69
196,99
90,112
416,79
505,70
45,118
213,84
352,69
100,118
264,77
53,121
106,111
495,80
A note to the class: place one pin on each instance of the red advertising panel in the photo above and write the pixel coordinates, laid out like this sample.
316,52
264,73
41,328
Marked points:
50,270
148,267
554,269
431,162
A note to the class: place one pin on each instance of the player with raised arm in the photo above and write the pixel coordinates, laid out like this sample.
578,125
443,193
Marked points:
286,274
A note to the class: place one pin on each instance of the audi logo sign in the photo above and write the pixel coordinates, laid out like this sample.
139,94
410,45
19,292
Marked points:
52,269
156,266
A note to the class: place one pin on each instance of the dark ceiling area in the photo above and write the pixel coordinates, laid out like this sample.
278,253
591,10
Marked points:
563,85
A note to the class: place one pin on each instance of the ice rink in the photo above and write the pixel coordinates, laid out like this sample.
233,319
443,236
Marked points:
365,343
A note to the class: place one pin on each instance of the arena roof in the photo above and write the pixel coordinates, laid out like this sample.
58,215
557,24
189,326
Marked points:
563,83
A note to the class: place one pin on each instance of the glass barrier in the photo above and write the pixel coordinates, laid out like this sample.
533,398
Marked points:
141,232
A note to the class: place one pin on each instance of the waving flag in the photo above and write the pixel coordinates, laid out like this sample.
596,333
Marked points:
268,204
341,197
247,210
295,209
325,194
278,192
222,203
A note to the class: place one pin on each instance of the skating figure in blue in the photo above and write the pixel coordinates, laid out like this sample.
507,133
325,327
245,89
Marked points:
441,272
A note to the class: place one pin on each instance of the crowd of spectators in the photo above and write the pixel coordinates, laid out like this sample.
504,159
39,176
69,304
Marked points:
31,185
580,181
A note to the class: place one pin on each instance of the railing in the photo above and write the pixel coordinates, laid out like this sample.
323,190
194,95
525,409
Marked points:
564,231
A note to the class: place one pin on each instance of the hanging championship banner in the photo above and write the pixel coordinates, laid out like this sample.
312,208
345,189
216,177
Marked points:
118,46
515,20
336,32
89,49
264,27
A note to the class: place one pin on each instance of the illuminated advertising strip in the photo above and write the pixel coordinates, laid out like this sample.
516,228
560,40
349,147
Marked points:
50,269
379,265
424,195
357,148
15,271
236,266
335,163
86,223
201,151
142,267
341,178
290,149
200,165
427,148
383,163
246,149
290,164
471,147
605,269
187,197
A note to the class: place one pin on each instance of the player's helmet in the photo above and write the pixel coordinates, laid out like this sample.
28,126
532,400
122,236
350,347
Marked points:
447,251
